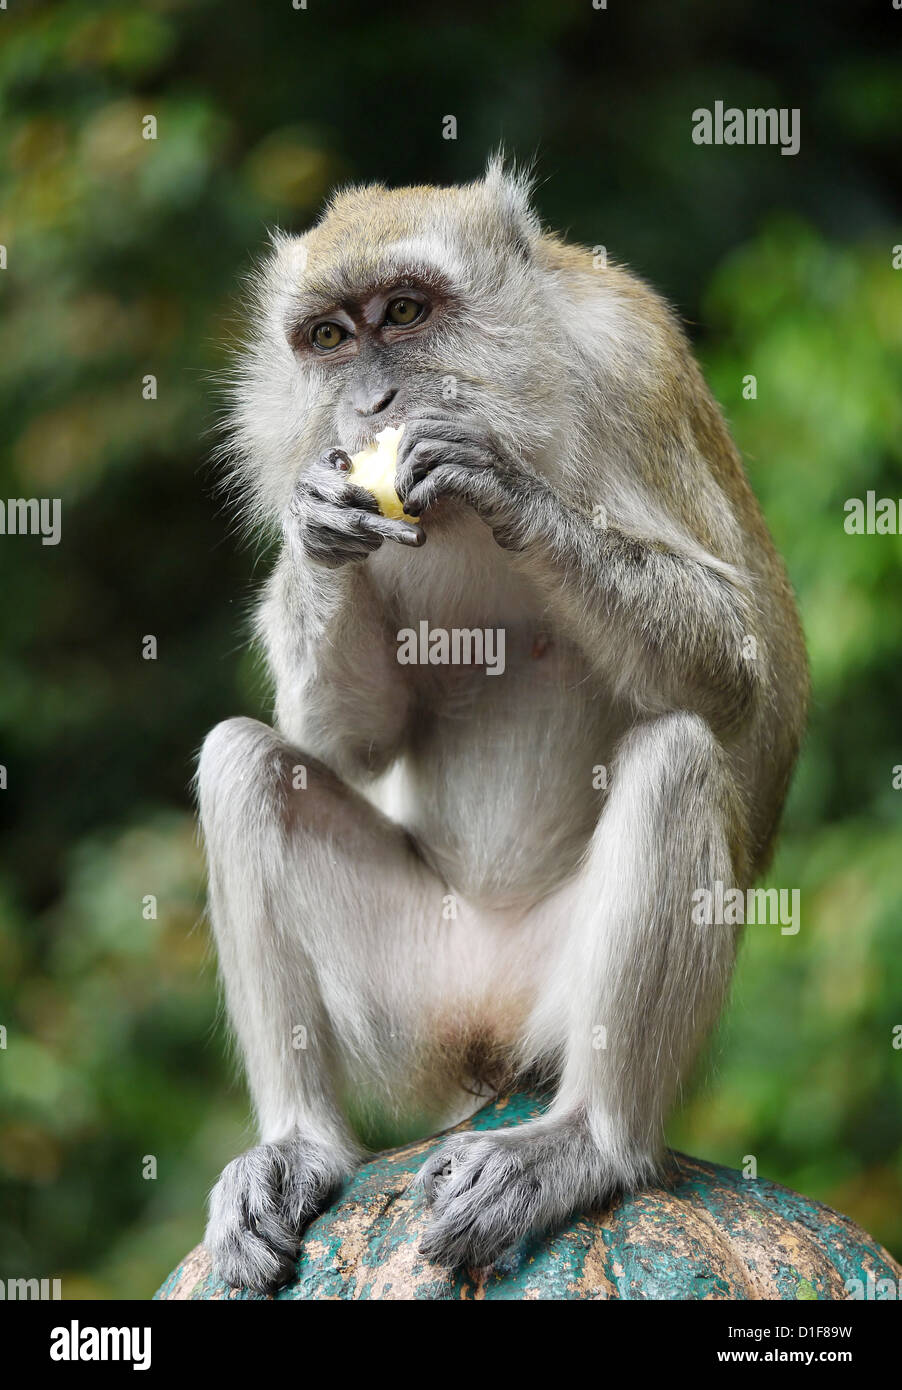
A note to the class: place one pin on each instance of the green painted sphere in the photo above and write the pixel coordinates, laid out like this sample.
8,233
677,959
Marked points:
706,1232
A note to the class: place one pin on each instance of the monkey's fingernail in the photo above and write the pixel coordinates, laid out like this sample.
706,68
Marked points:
337,458
413,536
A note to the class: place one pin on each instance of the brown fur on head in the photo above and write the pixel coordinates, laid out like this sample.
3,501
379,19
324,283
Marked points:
368,225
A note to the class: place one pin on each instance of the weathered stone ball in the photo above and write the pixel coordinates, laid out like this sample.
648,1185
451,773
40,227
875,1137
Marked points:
706,1232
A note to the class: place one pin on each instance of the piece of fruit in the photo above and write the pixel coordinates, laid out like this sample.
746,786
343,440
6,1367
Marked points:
374,469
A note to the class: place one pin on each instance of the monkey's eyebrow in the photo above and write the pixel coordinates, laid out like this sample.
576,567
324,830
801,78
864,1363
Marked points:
347,287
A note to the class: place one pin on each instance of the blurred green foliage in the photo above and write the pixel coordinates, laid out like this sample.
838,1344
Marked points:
124,256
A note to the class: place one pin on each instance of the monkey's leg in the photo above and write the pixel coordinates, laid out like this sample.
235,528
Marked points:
313,898
633,990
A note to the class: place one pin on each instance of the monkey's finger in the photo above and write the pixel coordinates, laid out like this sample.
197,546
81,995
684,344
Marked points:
445,480
338,459
417,463
331,548
352,495
335,492
413,536
420,497
451,431
401,531
434,412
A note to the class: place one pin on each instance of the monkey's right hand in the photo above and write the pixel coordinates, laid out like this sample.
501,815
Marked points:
337,522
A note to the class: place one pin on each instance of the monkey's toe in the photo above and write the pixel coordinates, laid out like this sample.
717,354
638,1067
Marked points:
437,1170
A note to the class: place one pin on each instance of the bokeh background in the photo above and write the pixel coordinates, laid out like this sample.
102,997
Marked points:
125,258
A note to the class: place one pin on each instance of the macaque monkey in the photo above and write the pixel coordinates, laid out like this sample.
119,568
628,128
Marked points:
429,880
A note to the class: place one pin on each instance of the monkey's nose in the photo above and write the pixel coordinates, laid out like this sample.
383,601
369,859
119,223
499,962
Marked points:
374,406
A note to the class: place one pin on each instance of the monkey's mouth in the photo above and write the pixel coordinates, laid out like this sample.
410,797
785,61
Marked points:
365,437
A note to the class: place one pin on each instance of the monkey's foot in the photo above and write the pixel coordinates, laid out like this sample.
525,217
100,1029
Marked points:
487,1191
259,1208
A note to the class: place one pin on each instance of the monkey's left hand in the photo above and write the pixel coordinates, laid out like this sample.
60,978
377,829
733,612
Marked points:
445,455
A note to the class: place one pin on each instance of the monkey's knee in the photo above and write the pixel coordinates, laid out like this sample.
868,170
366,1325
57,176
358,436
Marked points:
249,779
675,775
678,754
241,775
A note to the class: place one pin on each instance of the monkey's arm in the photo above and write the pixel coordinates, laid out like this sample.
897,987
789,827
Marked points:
666,625
339,692
671,628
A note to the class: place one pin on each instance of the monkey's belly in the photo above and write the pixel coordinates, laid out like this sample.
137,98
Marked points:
497,787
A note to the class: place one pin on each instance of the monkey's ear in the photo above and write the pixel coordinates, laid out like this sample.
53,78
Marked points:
510,189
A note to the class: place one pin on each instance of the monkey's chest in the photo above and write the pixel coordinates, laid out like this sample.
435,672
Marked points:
507,723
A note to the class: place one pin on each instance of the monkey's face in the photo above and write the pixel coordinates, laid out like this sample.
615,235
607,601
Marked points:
374,350
395,301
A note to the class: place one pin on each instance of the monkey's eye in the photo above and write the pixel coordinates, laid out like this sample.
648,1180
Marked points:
327,336
403,312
